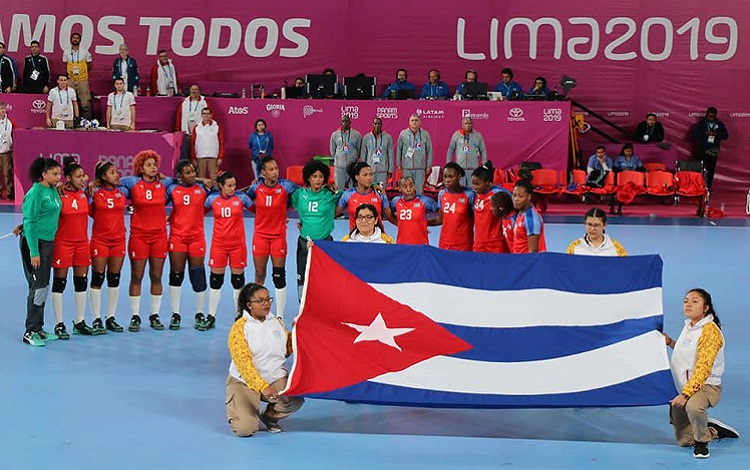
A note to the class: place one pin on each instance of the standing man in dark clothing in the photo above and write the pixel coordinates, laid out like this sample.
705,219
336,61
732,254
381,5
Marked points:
35,71
710,132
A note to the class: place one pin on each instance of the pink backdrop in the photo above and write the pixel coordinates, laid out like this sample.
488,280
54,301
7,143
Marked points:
630,57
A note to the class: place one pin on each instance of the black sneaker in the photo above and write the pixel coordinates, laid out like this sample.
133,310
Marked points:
112,324
81,328
208,324
199,319
61,332
135,323
32,338
723,430
97,327
154,322
174,322
700,450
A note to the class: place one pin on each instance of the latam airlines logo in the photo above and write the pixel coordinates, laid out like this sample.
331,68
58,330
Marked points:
430,113
308,111
516,115
275,109
38,107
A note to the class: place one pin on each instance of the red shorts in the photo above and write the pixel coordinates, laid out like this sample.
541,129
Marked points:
237,256
264,246
100,249
194,246
461,247
152,246
494,246
67,255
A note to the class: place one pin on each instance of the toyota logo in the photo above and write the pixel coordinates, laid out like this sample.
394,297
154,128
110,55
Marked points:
38,104
516,112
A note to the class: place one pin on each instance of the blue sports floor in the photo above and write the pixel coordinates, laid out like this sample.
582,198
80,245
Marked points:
155,399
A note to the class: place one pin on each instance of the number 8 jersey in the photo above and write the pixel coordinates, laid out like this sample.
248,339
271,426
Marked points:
149,202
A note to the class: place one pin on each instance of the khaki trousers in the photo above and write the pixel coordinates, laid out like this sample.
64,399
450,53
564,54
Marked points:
68,124
84,96
119,127
243,406
208,168
6,169
690,422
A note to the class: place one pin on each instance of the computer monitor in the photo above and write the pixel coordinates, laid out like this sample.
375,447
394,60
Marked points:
474,90
292,92
406,94
321,86
359,87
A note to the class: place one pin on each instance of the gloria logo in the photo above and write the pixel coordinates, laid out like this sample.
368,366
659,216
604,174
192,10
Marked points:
386,113
516,115
275,109
466,113
308,111
430,113
238,110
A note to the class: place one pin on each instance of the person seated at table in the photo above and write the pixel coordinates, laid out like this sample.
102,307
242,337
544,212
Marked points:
164,76
511,90
470,76
434,89
650,130
62,103
539,88
299,90
369,227
401,84
599,161
627,161
126,67
121,108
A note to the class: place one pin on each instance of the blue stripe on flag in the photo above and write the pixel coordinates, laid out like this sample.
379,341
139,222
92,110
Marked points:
395,264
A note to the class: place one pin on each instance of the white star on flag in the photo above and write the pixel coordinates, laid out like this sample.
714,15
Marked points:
378,331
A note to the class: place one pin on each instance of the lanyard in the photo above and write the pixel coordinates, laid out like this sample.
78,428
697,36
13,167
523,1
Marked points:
190,106
77,56
168,71
33,65
265,140
650,130
375,144
122,99
5,127
416,140
67,95
346,142
712,126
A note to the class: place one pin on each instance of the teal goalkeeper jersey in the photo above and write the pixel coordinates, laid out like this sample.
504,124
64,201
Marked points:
316,211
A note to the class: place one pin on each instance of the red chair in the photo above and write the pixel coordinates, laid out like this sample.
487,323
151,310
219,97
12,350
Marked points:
608,188
499,177
577,185
655,167
692,184
294,174
630,184
660,184
331,177
545,181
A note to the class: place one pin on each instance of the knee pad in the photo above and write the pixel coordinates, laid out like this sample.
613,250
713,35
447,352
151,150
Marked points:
97,280
79,283
216,281
176,278
238,280
113,279
58,284
279,277
198,278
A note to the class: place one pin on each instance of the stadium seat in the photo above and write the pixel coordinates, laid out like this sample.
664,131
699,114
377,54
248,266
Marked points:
629,185
577,185
692,184
331,177
655,166
545,181
660,184
294,174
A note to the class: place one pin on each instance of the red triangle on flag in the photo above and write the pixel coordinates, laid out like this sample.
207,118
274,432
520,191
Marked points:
348,332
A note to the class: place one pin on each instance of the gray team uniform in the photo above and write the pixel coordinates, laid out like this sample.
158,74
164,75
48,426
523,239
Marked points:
345,147
414,155
378,153
468,151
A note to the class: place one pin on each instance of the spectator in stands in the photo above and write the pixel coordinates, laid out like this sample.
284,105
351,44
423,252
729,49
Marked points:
7,72
627,161
467,148
649,131
470,76
188,115
599,161
164,76
36,72
78,65
377,151
511,90
401,84
528,226
300,89
126,67
208,146
414,152
6,151
261,145
539,89
121,108
596,242
62,103
345,145
434,89
710,132
299,82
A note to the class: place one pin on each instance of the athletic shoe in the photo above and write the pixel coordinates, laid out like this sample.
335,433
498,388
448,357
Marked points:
32,338
97,327
723,430
154,322
700,450
272,425
174,322
61,332
111,325
81,328
135,323
208,324
199,319
46,336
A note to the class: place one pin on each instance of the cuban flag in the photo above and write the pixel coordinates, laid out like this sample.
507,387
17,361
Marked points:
419,326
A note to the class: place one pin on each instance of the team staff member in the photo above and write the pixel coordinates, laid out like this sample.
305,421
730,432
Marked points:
260,144
208,146
271,197
345,146
36,71
414,152
107,246
362,193
126,67
148,233
78,64
595,241
377,151
259,346
71,249
316,206
697,366
455,212
164,76
188,116
41,211
488,231
62,104
121,108
528,226
6,150
410,211
227,242
467,148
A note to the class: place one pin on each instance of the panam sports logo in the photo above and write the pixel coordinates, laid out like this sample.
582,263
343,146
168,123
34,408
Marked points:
308,111
386,113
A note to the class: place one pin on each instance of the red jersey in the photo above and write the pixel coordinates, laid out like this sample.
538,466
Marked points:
507,226
108,211
188,210
271,203
527,223
149,205
456,209
487,227
351,199
74,217
229,223
412,219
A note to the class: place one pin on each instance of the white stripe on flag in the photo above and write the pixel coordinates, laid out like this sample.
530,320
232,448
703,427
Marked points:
610,365
522,308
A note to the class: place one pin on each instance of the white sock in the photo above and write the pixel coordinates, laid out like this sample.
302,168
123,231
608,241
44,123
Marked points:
214,296
200,301
80,306
113,294
174,298
95,299
155,304
280,301
135,305
57,306
235,296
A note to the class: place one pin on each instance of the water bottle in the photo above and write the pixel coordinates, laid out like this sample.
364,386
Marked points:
148,91
722,207
244,92
262,92
252,91
283,90
136,91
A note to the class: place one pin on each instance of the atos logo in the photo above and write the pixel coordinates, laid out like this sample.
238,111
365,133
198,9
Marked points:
238,110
